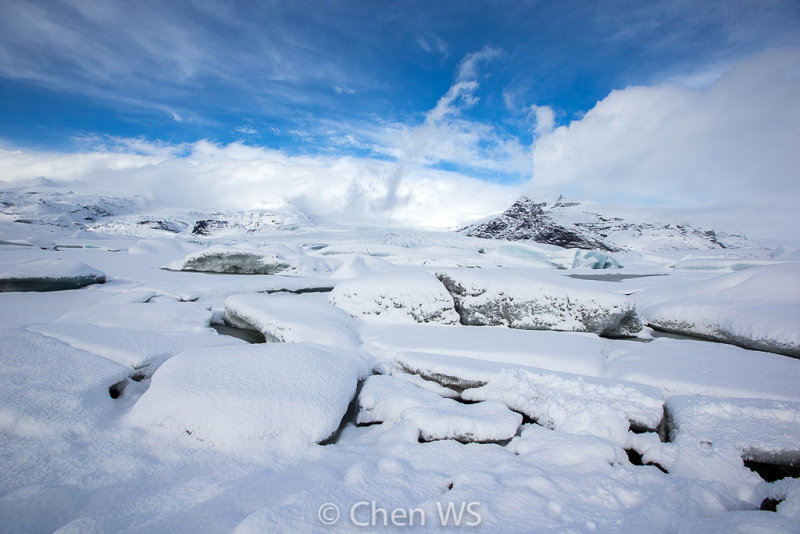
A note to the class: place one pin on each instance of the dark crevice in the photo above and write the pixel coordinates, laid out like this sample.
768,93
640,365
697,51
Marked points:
323,289
635,457
349,417
465,441
773,472
770,505
251,336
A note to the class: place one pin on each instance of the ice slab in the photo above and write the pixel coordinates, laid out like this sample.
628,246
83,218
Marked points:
570,403
48,274
519,300
757,309
398,297
761,430
286,395
273,259
387,399
292,318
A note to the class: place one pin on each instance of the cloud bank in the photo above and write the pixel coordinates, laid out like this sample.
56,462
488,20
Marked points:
722,155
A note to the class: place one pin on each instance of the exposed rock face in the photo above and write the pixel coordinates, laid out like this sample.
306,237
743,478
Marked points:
527,220
572,224
207,226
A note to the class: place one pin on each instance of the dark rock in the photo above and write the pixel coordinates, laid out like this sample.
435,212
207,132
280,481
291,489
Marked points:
207,226
526,220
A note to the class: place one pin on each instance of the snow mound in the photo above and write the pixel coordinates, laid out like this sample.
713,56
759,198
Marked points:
387,399
284,395
46,274
760,430
263,260
517,301
292,318
757,309
361,266
398,297
566,402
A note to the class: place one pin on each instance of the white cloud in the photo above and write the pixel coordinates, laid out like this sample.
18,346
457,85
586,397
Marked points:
726,154
204,175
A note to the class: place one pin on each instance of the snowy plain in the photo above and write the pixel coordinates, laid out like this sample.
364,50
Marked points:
123,409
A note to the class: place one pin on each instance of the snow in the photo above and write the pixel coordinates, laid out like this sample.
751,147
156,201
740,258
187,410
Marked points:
47,274
756,308
292,318
240,396
401,297
450,397
519,300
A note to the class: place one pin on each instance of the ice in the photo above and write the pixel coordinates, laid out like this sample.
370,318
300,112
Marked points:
569,403
47,274
284,395
760,430
758,309
720,264
518,300
292,318
273,259
387,399
401,297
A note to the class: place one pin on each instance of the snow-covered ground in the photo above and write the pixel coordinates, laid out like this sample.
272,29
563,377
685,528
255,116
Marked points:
372,407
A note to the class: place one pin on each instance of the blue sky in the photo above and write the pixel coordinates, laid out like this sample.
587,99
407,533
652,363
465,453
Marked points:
467,88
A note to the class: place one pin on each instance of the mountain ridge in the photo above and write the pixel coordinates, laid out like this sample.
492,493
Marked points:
573,224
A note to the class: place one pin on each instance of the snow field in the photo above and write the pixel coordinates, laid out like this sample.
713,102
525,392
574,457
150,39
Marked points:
73,458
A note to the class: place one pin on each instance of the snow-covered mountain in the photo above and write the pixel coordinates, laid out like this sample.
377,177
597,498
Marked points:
575,224
51,205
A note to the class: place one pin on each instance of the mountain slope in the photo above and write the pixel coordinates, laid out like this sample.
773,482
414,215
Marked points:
573,224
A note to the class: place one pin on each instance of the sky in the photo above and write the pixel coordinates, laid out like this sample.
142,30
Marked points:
429,114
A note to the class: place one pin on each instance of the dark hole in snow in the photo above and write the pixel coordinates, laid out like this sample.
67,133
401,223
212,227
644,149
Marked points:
635,457
466,440
321,289
450,486
770,505
115,390
251,336
349,418
773,472
640,428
